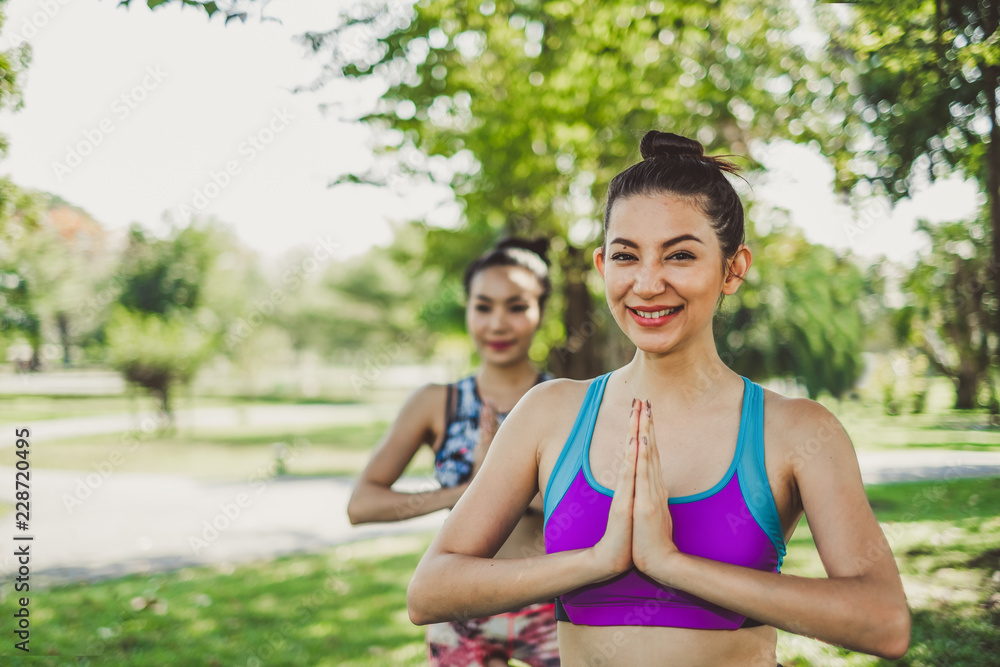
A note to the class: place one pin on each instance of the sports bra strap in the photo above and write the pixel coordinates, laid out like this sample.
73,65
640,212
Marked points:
571,456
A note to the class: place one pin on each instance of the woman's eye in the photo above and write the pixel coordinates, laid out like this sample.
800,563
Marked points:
682,255
622,256
520,308
482,309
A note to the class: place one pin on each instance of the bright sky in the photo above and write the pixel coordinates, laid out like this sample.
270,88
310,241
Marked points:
136,115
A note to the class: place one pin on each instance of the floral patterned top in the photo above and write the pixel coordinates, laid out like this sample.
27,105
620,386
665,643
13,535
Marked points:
454,459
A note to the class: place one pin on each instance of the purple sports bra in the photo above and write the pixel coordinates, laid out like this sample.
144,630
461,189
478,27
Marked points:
735,521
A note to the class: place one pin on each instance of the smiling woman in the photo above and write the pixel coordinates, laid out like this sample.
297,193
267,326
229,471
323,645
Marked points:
664,539
506,291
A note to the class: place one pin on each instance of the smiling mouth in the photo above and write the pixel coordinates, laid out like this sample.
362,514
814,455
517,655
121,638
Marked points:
650,315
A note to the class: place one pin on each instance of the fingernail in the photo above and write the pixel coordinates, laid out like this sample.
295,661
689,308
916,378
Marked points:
645,442
649,409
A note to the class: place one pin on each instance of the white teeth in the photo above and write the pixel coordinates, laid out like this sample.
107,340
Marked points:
657,313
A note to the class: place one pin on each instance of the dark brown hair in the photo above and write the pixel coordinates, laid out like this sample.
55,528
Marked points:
676,165
527,253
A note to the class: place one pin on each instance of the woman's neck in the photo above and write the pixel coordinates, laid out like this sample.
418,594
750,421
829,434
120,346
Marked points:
507,377
688,376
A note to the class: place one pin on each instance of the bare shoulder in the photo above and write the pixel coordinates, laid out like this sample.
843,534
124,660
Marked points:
551,398
425,410
561,387
801,429
426,400
547,414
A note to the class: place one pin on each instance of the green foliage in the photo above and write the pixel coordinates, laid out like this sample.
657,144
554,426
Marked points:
927,107
158,352
162,331
526,110
62,259
797,315
161,275
353,308
928,71
13,63
20,211
234,9
949,311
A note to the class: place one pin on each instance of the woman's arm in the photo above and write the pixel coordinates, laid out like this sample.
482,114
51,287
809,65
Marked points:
861,605
458,577
373,498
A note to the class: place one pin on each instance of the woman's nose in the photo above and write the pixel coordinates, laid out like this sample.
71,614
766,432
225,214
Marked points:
648,282
498,320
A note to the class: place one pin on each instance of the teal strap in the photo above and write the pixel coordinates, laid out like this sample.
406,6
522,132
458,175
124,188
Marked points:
571,457
753,473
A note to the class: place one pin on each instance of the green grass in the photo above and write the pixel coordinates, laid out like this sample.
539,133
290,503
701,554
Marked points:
346,605
231,454
343,607
22,409
869,428
26,409
946,539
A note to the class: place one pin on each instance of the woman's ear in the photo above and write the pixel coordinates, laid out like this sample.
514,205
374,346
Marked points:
599,259
736,270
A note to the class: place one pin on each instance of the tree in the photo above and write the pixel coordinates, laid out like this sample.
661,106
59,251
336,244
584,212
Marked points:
228,9
158,353
797,315
13,63
947,316
20,212
526,110
928,107
60,261
161,331
18,209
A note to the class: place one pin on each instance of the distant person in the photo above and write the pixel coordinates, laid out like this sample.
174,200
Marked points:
506,291
672,484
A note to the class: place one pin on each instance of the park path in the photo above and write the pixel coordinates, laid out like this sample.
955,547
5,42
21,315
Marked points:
201,418
90,525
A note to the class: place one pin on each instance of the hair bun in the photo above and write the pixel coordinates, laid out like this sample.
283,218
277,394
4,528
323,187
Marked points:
661,144
539,246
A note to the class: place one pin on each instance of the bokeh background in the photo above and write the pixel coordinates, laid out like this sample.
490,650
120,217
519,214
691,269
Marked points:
232,238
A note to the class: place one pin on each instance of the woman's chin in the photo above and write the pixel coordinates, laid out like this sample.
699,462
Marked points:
507,357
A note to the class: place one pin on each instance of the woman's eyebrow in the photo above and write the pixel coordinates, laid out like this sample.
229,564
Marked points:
510,299
666,244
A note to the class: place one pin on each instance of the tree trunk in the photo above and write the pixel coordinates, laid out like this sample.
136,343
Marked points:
578,358
991,83
62,323
966,388
162,393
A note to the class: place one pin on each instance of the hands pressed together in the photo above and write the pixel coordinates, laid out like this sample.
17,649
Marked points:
640,530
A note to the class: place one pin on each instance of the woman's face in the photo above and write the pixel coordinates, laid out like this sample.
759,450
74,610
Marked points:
503,313
663,271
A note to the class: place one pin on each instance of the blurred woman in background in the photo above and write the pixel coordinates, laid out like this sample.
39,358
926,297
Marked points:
506,291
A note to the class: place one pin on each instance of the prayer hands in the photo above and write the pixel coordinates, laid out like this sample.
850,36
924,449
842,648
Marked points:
615,548
652,527
640,530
